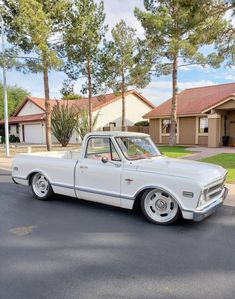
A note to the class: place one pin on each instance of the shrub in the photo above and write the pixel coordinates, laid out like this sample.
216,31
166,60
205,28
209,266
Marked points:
82,125
142,123
63,120
13,139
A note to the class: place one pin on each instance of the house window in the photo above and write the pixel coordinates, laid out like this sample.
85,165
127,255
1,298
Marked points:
166,124
203,125
17,129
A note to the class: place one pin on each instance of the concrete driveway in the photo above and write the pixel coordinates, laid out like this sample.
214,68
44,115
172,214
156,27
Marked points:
69,248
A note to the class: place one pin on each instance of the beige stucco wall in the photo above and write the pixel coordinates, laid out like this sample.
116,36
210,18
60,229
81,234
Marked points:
154,129
202,140
187,130
187,127
135,109
29,109
165,139
228,105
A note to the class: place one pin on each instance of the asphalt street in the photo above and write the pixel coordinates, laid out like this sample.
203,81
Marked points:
69,248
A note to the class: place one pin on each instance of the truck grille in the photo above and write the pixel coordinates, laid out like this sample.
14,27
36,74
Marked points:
215,190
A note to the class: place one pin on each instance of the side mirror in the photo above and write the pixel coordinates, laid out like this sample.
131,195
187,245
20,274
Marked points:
105,160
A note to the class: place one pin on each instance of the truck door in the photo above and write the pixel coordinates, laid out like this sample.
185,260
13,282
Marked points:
98,174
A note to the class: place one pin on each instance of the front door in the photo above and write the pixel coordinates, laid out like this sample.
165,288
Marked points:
96,180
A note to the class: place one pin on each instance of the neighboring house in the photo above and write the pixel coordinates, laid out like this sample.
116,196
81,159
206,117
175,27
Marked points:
202,115
28,122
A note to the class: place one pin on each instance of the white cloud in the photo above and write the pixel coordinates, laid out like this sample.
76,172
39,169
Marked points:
228,74
157,91
123,10
185,85
185,68
197,67
228,16
229,77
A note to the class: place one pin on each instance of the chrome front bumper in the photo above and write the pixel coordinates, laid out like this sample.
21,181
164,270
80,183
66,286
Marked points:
200,214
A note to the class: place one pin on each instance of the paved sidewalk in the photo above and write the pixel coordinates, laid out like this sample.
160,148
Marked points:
204,152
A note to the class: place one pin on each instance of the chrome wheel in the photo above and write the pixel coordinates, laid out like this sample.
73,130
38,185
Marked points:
40,185
160,207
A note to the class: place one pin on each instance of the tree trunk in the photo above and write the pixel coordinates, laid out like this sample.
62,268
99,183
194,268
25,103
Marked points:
123,104
47,106
89,69
173,126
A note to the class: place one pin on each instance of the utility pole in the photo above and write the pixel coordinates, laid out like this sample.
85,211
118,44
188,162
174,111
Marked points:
5,92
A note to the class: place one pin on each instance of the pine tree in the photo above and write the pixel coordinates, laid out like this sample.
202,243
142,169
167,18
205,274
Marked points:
175,31
32,26
122,66
82,37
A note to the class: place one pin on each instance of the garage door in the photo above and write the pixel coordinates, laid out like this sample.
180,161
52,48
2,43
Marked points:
33,133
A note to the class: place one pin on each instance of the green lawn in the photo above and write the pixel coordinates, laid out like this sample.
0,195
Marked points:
174,151
225,160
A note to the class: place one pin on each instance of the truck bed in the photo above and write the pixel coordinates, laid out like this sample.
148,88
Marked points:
58,167
71,154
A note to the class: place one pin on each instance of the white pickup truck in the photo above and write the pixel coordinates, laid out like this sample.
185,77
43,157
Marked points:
119,169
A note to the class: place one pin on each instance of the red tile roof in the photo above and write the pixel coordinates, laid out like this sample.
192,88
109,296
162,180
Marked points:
24,118
195,100
97,101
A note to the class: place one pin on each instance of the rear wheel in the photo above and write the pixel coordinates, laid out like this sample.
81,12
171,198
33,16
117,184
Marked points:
159,207
41,187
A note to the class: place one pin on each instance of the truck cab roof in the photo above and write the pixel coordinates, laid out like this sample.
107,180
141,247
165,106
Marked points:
117,134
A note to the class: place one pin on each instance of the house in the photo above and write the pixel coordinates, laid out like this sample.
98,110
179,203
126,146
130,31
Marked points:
28,122
204,116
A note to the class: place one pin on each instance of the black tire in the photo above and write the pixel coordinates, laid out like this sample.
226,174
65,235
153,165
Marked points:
173,215
41,187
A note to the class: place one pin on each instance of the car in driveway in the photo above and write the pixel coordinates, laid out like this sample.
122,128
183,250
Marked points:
121,168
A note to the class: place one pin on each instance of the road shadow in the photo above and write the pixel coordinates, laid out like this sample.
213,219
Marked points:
76,244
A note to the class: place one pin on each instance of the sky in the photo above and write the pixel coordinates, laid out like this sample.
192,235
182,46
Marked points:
159,88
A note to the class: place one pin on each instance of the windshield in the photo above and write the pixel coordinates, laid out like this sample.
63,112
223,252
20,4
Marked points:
134,148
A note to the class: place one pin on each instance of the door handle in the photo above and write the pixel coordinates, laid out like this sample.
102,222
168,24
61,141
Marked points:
83,167
129,180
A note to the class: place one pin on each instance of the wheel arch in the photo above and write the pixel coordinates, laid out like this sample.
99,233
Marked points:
139,194
33,172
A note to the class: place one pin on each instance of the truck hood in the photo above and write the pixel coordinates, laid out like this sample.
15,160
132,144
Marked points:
203,173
